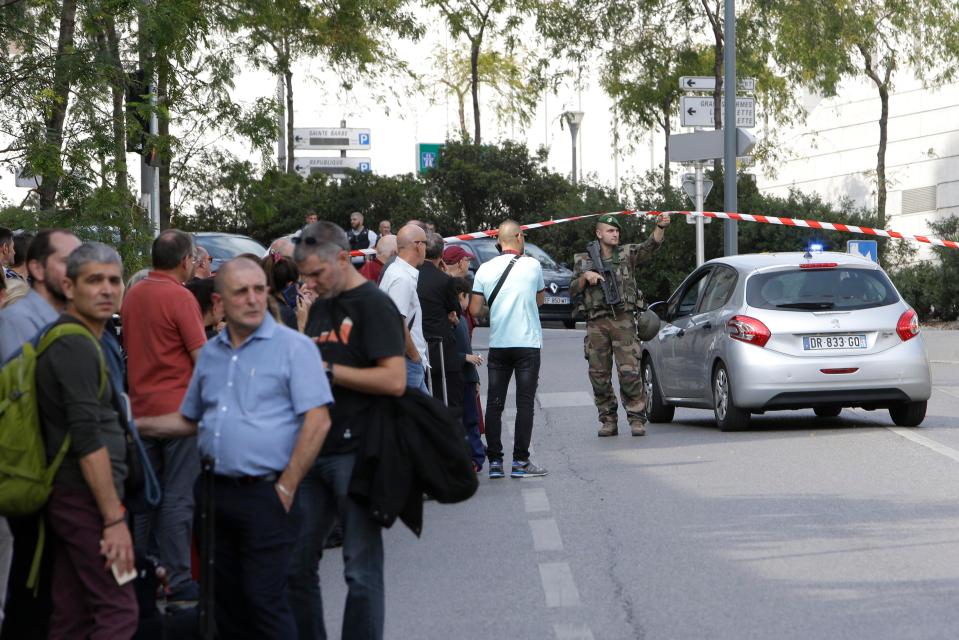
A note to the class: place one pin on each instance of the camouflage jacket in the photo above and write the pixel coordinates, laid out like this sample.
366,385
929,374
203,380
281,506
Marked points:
624,262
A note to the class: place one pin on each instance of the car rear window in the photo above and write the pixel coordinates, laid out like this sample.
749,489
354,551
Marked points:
820,289
226,247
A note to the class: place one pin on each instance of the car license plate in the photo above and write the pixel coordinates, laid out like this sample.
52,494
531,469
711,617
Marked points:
557,299
822,343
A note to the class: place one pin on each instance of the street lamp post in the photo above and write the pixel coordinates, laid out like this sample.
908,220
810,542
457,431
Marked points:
574,119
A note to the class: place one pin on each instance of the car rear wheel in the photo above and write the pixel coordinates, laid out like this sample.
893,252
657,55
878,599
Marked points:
729,417
828,412
908,414
656,409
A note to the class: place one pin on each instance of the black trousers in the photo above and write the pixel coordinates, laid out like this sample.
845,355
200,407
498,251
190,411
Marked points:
454,381
252,550
501,365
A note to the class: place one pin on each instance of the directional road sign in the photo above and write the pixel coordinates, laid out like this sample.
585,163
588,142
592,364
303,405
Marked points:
689,186
706,145
335,167
334,138
427,153
696,111
865,248
708,83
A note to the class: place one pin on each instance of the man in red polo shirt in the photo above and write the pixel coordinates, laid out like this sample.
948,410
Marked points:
163,332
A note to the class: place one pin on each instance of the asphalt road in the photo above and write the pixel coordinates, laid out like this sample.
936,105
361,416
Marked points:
800,527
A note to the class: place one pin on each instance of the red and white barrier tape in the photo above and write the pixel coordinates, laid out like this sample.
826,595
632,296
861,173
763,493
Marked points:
789,222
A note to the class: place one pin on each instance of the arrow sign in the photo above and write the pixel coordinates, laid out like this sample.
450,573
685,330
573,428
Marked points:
331,166
708,83
698,111
332,138
706,145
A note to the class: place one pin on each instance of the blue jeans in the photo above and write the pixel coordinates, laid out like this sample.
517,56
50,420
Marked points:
501,365
471,423
323,497
416,376
167,532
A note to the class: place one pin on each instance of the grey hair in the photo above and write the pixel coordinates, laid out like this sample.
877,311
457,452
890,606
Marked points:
91,252
434,246
323,239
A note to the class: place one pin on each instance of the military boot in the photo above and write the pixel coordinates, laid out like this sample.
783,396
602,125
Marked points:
638,428
608,429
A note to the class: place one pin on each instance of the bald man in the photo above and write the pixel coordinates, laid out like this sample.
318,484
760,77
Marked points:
259,402
386,250
516,338
399,282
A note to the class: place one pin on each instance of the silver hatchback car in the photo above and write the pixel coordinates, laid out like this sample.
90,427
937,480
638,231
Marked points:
754,333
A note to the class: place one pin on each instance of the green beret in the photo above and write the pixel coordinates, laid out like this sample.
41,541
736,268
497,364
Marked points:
611,219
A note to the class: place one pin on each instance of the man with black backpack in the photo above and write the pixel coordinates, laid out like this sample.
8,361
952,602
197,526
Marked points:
512,285
93,556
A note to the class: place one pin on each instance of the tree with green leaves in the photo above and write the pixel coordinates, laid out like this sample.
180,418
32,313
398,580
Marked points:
353,36
478,22
642,47
823,43
503,72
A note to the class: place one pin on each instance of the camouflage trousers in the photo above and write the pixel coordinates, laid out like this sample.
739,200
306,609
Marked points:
608,338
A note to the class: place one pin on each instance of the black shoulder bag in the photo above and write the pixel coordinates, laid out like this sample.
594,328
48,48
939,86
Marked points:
502,279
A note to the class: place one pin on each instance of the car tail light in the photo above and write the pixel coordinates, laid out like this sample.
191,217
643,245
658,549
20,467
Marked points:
844,370
819,265
746,329
908,325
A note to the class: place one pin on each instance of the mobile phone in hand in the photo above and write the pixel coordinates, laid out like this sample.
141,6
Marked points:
123,578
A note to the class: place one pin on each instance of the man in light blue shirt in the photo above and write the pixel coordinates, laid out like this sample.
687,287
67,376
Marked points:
259,401
516,338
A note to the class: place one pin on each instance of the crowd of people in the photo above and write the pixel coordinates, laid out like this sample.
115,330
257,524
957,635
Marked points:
265,372
271,373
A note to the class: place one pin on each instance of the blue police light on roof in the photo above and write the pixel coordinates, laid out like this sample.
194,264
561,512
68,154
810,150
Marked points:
815,247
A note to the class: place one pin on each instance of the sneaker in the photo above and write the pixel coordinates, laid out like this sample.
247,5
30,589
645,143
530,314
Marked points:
527,470
496,469
638,428
608,429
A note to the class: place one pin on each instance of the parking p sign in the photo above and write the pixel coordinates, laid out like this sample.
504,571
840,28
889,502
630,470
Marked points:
863,248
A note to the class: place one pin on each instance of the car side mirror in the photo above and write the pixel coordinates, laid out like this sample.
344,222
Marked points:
659,308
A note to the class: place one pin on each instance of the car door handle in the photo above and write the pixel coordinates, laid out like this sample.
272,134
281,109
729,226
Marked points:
680,333
708,326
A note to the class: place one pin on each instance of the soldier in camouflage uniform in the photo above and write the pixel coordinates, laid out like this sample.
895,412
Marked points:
611,330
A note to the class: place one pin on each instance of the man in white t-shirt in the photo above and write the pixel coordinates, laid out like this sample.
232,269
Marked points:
399,283
516,338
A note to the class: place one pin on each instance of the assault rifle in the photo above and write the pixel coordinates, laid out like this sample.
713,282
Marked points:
610,291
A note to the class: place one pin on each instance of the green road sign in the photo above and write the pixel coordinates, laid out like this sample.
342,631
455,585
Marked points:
427,153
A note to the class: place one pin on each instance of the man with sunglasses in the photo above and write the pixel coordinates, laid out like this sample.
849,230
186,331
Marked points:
360,334
400,283
512,285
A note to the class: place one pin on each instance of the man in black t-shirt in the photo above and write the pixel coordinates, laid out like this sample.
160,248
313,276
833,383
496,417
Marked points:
360,335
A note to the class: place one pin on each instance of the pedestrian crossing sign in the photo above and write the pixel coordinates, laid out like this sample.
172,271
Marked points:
864,248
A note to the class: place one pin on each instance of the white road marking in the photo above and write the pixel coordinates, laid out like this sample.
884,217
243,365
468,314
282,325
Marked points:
565,399
558,584
944,362
535,500
572,632
949,391
910,434
546,535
